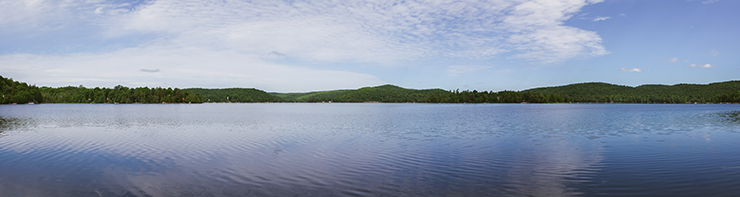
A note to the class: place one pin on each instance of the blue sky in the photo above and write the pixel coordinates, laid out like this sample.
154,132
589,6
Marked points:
298,46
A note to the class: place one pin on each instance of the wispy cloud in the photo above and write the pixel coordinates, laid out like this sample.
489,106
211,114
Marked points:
149,70
361,31
458,70
373,31
714,53
630,70
275,55
709,1
674,60
602,18
702,66
201,68
241,33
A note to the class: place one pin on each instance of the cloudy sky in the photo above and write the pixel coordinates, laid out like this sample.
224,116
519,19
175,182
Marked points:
297,45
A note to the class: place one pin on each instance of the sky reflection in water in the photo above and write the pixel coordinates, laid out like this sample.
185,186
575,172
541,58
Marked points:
368,150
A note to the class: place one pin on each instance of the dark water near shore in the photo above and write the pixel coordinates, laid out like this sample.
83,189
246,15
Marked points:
369,150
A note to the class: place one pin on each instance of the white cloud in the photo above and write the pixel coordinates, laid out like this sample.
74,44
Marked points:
231,43
557,44
370,31
458,70
709,1
623,15
602,18
184,68
18,16
701,66
674,59
99,10
714,53
538,32
630,70
48,15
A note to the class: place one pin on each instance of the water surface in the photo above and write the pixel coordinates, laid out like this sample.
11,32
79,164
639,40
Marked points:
369,150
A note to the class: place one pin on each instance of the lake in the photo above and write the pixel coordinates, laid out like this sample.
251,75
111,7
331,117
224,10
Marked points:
369,149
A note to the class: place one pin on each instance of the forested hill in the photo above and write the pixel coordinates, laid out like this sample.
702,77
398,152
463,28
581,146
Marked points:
679,93
234,95
384,93
595,92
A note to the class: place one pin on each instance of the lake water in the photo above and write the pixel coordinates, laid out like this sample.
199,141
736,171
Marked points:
375,149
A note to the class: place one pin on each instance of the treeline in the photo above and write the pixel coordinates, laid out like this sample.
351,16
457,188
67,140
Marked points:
679,93
496,97
583,92
234,95
384,93
18,92
118,94
730,96
21,93
395,94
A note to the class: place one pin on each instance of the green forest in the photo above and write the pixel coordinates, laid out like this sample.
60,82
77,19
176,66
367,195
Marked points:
21,93
118,94
574,93
238,95
17,92
384,93
594,92
679,93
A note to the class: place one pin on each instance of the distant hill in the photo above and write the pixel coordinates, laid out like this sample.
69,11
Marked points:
243,95
679,93
593,92
384,93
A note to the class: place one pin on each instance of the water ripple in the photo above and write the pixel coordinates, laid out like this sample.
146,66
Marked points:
368,150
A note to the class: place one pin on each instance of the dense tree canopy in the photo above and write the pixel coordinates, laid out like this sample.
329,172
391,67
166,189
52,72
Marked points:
582,92
118,94
17,92
729,96
234,95
496,97
679,93
384,93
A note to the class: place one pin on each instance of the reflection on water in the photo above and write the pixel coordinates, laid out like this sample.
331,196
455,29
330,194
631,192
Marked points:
730,116
368,150
13,123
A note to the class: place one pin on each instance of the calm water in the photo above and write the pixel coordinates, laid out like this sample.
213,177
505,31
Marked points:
369,150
